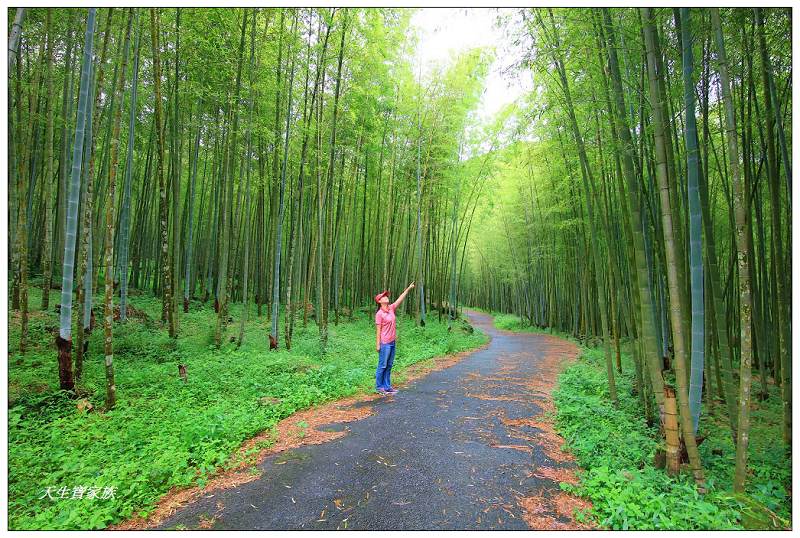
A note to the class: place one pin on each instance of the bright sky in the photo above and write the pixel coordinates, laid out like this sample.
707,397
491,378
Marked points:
446,31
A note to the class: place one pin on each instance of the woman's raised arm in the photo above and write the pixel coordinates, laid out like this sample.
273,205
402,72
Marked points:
403,295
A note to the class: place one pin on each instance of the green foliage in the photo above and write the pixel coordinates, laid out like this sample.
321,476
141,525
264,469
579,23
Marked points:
510,322
163,432
615,446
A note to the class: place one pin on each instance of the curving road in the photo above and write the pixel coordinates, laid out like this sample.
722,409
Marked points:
450,451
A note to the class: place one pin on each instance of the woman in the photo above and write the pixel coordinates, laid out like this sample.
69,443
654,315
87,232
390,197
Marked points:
385,325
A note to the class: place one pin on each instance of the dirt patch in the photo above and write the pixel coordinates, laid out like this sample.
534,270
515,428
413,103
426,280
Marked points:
301,428
15,316
546,522
556,475
207,521
534,505
131,312
541,511
566,504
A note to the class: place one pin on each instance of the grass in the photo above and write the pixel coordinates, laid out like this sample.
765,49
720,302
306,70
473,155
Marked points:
162,432
510,322
615,447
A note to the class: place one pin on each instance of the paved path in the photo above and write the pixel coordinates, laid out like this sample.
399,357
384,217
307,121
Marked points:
450,451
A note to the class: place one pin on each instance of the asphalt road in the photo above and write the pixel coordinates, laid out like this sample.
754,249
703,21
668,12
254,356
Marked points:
437,455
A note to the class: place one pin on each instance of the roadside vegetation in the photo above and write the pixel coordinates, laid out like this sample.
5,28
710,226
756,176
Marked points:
616,448
164,432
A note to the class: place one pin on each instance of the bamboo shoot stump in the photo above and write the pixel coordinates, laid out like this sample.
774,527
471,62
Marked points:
673,455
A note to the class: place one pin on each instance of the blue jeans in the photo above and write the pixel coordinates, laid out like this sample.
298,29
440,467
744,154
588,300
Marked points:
384,370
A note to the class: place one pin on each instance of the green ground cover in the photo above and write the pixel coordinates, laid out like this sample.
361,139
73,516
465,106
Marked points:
165,433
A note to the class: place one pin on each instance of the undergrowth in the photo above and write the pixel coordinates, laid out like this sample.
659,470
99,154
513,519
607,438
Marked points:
163,432
615,448
511,322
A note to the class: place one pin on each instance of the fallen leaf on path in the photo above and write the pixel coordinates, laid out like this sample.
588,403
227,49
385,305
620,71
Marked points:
556,475
566,504
515,447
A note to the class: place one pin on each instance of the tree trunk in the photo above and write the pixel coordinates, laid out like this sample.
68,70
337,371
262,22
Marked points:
166,266
226,190
743,262
278,239
108,319
632,201
126,195
64,339
782,317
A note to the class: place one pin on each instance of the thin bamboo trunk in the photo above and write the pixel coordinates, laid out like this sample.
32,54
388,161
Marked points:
743,262
108,318
226,206
277,267
781,305
166,271
47,180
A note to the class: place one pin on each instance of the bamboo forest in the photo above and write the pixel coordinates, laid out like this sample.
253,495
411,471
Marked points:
581,217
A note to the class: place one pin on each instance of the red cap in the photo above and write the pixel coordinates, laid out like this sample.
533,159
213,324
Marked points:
381,295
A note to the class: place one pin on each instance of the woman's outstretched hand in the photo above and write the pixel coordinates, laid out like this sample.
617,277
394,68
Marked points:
403,295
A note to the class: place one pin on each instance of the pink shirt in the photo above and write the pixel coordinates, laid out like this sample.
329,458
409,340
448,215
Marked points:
386,322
